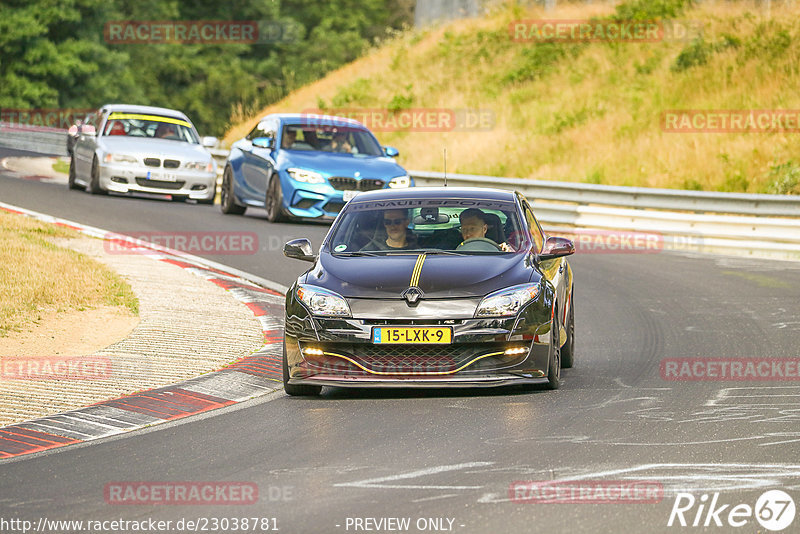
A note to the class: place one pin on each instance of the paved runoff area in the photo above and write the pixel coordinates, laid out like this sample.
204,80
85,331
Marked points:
207,338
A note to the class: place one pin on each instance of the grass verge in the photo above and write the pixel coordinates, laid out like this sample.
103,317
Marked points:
37,276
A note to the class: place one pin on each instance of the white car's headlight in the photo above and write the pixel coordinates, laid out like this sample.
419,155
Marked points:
507,301
323,302
400,181
309,177
207,166
120,158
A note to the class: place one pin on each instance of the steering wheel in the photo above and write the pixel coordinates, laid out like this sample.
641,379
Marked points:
480,244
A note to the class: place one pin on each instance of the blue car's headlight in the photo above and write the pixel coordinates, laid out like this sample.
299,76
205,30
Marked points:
308,177
400,181
507,301
323,302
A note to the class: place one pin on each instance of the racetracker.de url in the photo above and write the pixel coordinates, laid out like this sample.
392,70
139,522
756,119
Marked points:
145,526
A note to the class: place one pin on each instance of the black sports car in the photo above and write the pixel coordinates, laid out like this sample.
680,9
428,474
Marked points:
430,287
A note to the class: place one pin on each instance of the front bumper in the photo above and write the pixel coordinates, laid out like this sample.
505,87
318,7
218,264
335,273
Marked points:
483,352
122,178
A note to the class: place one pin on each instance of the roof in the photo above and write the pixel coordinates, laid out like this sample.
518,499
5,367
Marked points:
130,108
482,193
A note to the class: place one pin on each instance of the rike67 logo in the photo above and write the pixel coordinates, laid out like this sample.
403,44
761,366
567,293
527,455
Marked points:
774,510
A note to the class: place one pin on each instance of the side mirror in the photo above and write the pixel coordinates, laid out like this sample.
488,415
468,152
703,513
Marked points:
209,141
391,151
88,129
264,142
556,247
299,249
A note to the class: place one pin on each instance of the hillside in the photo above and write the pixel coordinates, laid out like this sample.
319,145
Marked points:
587,111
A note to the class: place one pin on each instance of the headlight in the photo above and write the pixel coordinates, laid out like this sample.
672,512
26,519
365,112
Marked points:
507,301
309,177
120,158
323,302
400,181
206,166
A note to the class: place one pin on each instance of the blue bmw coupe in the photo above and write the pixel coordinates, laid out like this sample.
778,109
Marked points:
300,166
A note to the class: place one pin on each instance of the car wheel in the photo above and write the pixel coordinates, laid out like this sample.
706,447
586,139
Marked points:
296,390
568,351
213,196
94,183
274,201
71,180
554,365
226,202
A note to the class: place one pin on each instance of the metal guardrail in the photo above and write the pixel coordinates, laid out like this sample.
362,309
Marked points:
34,140
767,225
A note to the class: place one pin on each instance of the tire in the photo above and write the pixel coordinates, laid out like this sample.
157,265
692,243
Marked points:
227,203
94,183
273,204
71,180
213,196
568,350
295,390
554,364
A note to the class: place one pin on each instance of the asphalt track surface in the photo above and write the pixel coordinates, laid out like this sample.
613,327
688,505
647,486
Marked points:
454,453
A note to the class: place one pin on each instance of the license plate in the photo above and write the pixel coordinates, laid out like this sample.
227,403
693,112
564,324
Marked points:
347,195
411,336
162,176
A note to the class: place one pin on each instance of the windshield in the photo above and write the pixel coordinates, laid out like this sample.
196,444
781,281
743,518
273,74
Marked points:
155,126
335,139
465,226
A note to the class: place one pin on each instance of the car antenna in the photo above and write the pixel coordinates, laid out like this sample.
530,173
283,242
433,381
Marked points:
445,167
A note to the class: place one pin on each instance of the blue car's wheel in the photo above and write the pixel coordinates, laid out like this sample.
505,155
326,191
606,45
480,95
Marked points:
274,201
226,201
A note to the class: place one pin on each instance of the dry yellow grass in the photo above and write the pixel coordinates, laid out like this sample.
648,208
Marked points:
594,114
37,277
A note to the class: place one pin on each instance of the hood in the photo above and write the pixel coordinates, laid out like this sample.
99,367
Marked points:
159,148
441,276
329,164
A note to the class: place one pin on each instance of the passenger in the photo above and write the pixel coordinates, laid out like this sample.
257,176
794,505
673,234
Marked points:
166,131
289,138
339,143
474,226
398,236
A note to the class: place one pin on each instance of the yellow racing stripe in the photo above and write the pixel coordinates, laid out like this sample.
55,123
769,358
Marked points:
158,118
417,270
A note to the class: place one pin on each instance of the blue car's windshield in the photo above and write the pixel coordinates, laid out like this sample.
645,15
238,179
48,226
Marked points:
433,226
330,138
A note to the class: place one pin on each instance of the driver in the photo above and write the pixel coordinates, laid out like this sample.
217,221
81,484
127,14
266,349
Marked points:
474,226
398,236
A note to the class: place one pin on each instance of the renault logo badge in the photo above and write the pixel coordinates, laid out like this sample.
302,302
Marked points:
412,295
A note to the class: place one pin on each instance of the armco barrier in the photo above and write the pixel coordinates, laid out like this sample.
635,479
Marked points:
766,225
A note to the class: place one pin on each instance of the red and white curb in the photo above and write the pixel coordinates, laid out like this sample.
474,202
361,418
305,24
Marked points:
244,379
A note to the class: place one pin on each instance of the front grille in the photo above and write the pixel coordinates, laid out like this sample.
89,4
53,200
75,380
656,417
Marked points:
152,162
343,183
159,184
171,163
416,360
370,184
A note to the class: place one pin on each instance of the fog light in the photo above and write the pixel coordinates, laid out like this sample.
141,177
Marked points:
198,187
515,350
119,179
310,351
